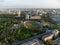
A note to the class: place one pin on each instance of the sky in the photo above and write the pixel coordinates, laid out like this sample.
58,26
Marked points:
29,3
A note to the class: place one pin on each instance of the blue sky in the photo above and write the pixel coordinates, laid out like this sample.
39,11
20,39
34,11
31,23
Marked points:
30,3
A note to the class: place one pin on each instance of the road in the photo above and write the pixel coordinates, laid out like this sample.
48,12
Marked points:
37,36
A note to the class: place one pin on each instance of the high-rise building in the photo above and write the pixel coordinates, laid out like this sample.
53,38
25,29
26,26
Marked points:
19,13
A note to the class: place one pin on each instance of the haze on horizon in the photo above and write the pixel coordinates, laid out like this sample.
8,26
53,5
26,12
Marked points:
29,3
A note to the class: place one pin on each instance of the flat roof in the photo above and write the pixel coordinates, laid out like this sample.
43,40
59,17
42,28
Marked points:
57,41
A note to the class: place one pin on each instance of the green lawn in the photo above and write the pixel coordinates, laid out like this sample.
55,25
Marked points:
32,24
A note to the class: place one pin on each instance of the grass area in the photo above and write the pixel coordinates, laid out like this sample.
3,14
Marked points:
32,24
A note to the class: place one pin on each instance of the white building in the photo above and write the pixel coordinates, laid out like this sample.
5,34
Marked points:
27,16
47,37
35,17
55,32
19,13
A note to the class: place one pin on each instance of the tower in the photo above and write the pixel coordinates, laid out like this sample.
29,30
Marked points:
19,13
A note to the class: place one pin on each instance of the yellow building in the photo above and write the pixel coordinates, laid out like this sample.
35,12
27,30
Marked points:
47,37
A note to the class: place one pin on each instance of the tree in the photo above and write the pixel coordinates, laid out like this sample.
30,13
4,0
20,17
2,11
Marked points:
49,42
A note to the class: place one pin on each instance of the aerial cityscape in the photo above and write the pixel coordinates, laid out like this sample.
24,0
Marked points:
29,22
30,26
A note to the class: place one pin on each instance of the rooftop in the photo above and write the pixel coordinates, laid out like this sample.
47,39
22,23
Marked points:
47,37
57,41
33,42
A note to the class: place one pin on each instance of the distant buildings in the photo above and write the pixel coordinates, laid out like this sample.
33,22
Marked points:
56,18
11,11
8,11
36,17
19,13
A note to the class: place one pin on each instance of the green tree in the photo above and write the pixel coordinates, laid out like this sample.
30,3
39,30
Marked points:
49,42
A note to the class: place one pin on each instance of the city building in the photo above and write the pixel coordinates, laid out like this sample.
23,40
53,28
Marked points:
27,16
47,37
57,41
33,42
15,26
35,17
46,23
19,13
55,32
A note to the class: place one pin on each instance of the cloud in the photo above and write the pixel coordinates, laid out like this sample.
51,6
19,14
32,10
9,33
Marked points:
30,3
1,0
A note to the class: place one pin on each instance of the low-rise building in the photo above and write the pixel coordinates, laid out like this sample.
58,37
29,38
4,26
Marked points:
35,17
47,37
57,41
46,23
27,16
33,42
16,25
55,32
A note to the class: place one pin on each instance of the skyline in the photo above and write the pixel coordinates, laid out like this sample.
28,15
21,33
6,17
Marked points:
29,3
